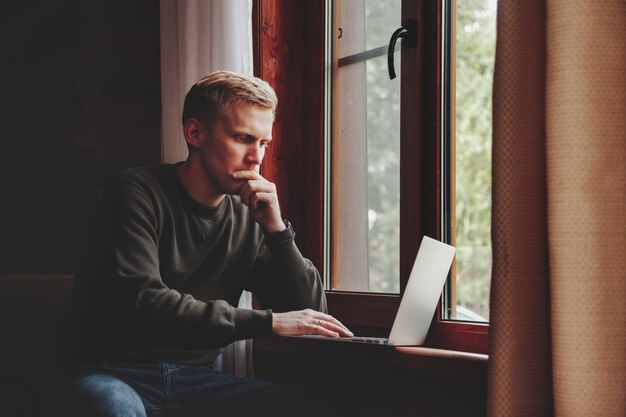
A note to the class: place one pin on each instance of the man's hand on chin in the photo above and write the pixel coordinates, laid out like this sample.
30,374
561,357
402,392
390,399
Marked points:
261,198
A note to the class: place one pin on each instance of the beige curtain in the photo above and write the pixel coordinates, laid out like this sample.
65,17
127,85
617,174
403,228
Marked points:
197,37
558,316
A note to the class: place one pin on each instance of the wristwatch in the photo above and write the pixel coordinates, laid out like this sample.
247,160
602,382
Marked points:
282,235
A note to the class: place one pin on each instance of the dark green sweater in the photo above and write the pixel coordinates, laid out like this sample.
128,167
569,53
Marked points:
168,272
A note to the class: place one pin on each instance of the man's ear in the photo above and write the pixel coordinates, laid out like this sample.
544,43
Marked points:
192,133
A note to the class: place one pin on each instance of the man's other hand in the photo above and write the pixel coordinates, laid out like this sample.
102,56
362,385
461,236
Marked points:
261,198
297,323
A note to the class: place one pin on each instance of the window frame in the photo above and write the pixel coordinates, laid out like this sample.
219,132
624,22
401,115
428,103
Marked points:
283,30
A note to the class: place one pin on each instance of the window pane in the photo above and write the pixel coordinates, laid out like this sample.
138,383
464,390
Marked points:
474,55
366,149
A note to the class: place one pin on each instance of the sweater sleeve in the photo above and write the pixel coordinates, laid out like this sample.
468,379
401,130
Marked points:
284,280
148,306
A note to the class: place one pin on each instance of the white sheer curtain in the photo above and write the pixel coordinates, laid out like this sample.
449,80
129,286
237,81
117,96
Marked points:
197,37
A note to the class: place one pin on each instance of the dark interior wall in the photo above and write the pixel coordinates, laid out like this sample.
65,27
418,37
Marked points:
80,86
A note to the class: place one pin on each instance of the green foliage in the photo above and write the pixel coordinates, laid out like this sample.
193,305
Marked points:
475,52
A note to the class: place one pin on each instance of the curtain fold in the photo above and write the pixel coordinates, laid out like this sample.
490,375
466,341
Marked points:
197,37
586,143
558,317
520,323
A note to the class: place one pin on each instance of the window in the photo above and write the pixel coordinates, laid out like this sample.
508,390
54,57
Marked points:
329,190
366,146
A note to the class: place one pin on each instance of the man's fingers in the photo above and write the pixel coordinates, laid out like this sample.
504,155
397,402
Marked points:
260,195
247,175
330,323
330,319
259,199
254,187
338,330
321,330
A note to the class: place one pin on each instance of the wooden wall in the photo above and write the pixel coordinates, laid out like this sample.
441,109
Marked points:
289,55
80,101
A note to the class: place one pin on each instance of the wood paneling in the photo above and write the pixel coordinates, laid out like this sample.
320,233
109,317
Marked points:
290,56
81,100
34,313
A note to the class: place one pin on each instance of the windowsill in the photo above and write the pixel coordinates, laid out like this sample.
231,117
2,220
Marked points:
438,362
442,361
441,353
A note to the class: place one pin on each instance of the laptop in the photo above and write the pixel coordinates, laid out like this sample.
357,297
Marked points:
419,301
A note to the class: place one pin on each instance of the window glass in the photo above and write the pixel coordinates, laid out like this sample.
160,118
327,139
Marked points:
366,148
473,35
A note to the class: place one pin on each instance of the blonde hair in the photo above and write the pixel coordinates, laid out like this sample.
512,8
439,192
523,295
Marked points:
212,95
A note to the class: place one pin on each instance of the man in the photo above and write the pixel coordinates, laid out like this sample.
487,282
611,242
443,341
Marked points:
180,244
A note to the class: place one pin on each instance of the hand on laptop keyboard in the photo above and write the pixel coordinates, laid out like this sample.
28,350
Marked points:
296,323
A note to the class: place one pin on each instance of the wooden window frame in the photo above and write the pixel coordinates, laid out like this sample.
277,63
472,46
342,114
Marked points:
289,53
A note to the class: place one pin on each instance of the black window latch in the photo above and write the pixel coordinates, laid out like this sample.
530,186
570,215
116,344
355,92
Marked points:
408,33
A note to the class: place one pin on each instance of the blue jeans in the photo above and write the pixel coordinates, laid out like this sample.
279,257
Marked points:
166,389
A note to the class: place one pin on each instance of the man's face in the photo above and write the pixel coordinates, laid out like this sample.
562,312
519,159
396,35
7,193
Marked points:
236,141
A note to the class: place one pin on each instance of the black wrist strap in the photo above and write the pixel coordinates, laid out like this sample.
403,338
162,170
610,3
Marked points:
280,236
